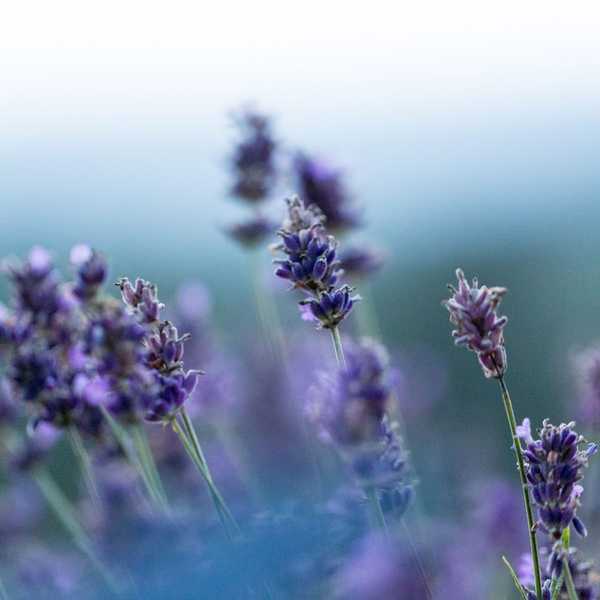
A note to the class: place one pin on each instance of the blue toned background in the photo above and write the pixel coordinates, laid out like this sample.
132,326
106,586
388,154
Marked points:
469,135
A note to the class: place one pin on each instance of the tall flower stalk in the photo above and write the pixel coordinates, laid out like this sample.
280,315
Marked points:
170,384
554,469
473,311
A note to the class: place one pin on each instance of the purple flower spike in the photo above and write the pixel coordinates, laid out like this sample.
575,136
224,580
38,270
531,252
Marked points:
323,186
350,411
253,161
331,308
478,327
253,231
311,265
91,271
554,468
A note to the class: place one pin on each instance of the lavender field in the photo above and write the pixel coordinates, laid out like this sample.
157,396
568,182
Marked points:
298,307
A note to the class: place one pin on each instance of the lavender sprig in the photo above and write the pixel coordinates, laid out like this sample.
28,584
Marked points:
164,357
473,310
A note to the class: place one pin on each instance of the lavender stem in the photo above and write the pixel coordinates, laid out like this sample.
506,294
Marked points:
149,466
189,439
3,592
124,440
85,463
512,424
65,513
337,347
572,592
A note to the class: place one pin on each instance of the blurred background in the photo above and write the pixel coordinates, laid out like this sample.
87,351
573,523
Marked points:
467,133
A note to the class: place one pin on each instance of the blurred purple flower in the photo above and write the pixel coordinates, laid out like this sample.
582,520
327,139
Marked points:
322,185
473,310
253,160
350,409
379,570
361,261
587,371
253,231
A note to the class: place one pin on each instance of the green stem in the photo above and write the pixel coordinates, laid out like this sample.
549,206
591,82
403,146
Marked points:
336,338
571,591
195,453
124,440
3,592
140,440
85,464
65,512
512,423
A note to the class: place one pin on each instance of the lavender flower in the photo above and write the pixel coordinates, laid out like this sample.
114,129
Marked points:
350,410
584,577
478,327
361,261
587,368
310,264
253,160
253,231
164,351
554,466
323,186
378,570
91,271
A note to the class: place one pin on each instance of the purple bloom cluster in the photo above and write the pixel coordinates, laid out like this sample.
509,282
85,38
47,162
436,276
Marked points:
378,570
584,577
554,466
164,351
311,265
473,310
361,261
253,231
587,366
323,186
43,336
253,160
350,410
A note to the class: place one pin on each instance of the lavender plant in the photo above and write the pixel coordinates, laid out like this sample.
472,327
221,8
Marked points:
171,383
350,409
554,466
473,311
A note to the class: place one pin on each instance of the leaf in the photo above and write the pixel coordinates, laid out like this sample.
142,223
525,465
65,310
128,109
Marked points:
515,578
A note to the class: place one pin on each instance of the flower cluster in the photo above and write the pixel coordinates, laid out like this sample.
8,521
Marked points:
323,186
42,336
253,160
255,174
473,310
311,265
554,466
582,571
164,350
351,411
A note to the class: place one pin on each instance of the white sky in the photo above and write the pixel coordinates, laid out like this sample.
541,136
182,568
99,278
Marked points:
62,61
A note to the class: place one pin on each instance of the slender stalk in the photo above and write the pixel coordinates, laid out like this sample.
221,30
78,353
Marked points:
336,338
3,592
85,464
65,512
571,591
418,561
190,442
512,424
378,512
148,464
124,440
